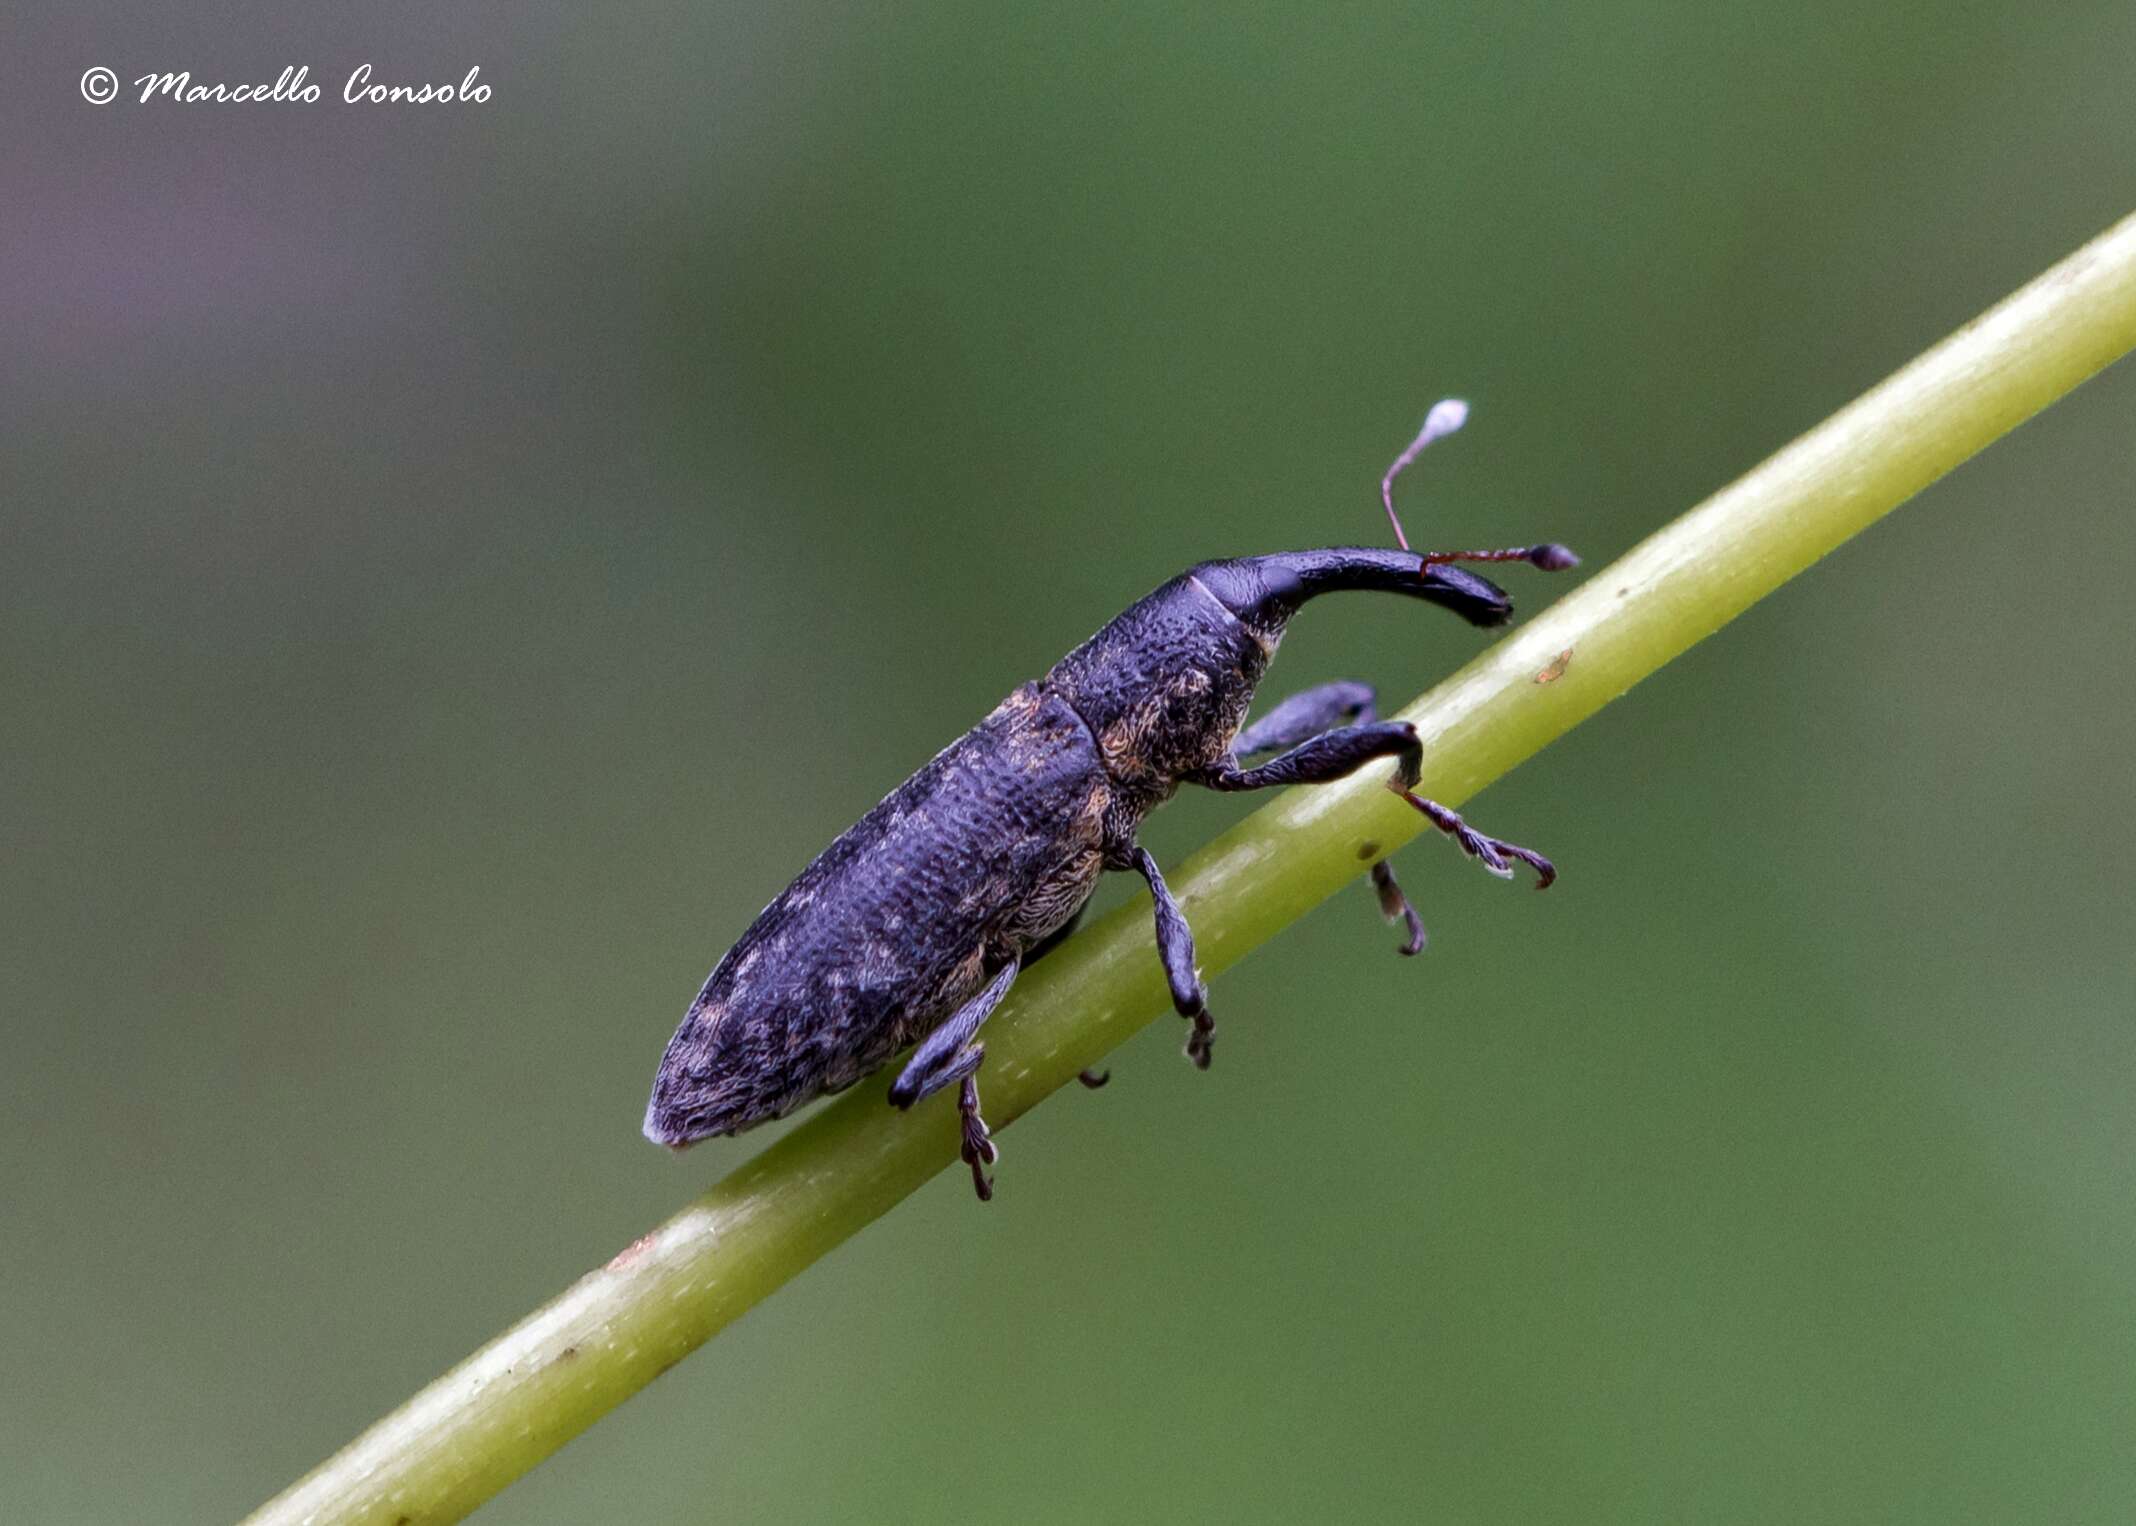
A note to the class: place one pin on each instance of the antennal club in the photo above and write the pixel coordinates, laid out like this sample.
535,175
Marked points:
1445,417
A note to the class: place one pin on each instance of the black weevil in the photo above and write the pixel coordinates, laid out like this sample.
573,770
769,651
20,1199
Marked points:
913,925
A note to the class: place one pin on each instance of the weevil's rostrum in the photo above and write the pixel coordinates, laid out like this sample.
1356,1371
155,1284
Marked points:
912,926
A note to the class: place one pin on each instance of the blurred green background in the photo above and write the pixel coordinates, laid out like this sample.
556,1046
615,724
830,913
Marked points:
459,562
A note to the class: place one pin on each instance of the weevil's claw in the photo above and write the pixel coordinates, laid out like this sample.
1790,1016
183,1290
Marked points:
1491,852
979,1150
1395,907
1093,1078
1545,871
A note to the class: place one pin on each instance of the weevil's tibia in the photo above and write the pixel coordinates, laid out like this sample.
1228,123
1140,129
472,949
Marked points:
948,1054
1322,759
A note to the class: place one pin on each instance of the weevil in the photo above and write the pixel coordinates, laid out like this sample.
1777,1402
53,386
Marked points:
914,924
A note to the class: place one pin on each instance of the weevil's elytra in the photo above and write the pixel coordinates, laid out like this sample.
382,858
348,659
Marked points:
913,925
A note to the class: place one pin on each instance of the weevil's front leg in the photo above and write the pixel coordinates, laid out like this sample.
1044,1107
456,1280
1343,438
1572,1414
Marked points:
1175,946
947,1056
1333,754
1309,713
1491,852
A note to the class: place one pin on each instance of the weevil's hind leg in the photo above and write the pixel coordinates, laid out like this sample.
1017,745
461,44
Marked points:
947,1056
1175,946
1315,712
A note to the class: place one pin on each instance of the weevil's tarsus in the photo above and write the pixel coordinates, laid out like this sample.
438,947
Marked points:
1491,852
1093,1078
1395,907
1201,1039
979,1150
1446,416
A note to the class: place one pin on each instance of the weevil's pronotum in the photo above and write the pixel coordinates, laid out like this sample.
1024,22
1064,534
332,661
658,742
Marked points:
913,925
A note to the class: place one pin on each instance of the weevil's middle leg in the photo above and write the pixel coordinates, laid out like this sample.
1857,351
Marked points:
1175,946
1314,712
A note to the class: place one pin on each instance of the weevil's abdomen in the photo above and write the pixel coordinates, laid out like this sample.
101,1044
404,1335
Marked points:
991,846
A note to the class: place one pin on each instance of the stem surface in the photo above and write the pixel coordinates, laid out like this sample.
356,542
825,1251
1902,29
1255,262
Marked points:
547,1378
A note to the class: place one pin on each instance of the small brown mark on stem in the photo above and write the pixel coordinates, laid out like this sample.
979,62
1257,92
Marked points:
630,1253
1556,669
1367,851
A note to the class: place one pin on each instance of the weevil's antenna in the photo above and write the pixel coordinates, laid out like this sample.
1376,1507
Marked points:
1445,417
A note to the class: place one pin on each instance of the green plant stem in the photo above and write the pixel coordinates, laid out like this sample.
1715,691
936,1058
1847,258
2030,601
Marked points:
537,1385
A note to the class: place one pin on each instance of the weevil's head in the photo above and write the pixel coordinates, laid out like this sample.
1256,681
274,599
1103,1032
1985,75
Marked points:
1263,592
